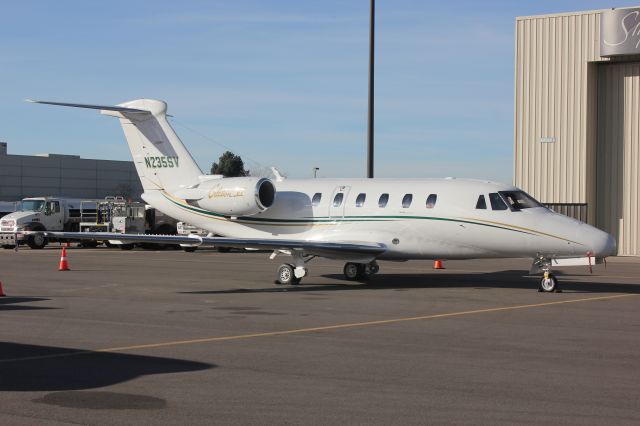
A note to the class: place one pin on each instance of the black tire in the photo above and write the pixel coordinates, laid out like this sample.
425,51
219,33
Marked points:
353,271
126,246
8,247
548,284
373,268
189,249
37,241
223,249
164,229
285,275
89,244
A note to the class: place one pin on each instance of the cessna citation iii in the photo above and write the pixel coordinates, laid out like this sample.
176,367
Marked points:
358,221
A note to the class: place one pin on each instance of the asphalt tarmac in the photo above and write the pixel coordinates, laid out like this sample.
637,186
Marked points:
167,337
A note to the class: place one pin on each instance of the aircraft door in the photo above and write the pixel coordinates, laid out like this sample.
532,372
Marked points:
338,202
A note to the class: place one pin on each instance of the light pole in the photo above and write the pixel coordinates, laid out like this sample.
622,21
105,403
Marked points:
370,114
315,172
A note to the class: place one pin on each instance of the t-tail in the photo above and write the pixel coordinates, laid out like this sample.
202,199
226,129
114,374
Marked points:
160,157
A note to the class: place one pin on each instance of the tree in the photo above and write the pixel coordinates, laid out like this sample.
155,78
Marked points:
229,165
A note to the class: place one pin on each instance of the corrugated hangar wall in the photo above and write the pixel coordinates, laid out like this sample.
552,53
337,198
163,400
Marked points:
576,123
618,181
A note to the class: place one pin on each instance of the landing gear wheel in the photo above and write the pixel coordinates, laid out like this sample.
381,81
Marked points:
355,271
373,268
286,275
549,283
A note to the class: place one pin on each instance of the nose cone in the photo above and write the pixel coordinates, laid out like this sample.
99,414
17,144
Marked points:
599,242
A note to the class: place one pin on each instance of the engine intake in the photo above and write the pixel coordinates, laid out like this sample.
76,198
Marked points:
244,196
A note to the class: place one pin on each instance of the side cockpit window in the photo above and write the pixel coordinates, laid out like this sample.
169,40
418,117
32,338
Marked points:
497,203
316,199
519,200
482,203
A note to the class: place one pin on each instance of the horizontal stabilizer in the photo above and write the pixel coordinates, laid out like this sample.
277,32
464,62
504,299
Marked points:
100,107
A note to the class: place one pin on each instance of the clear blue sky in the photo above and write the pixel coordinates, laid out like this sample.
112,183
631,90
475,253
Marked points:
280,82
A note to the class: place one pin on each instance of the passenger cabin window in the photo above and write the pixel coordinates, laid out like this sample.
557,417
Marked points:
406,201
337,200
496,202
383,200
316,199
482,203
431,200
519,200
360,199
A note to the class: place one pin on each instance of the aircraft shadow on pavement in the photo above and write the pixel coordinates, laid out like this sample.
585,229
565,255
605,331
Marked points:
515,279
30,368
15,303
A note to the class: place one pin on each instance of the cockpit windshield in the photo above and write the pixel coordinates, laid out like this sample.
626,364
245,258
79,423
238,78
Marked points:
519,200
32,206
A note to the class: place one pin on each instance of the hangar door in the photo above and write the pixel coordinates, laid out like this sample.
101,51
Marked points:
618,156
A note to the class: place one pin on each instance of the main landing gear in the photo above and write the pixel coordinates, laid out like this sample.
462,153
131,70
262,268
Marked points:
360,271
292,274
548,282
289,274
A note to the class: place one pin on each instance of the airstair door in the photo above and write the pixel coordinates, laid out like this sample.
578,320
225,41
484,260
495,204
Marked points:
338,202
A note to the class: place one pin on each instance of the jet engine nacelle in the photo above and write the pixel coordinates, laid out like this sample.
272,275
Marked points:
242,196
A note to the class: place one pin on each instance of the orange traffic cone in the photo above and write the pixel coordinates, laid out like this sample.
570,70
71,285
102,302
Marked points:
438,264
2,291
64,265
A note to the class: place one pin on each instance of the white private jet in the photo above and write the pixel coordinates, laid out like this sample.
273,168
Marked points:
355,220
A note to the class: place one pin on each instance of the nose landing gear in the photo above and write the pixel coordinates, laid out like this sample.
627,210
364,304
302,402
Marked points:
548,282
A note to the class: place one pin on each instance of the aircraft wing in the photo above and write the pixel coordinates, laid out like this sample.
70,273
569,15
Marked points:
332,250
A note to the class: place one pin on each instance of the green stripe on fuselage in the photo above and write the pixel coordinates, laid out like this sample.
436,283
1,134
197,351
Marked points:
345,219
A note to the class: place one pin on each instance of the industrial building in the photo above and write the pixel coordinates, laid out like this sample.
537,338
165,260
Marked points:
24,176
577,117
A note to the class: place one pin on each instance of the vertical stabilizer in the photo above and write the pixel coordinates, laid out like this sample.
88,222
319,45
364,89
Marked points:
160,157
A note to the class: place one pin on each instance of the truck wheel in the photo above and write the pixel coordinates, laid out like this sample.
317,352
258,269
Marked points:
164,229
89,244
37,241
189,249
126,246
8,247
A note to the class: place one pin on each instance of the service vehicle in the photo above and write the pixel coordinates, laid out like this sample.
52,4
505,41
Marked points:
117,215
39,214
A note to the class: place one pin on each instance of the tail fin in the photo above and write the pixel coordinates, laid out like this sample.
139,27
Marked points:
160,157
